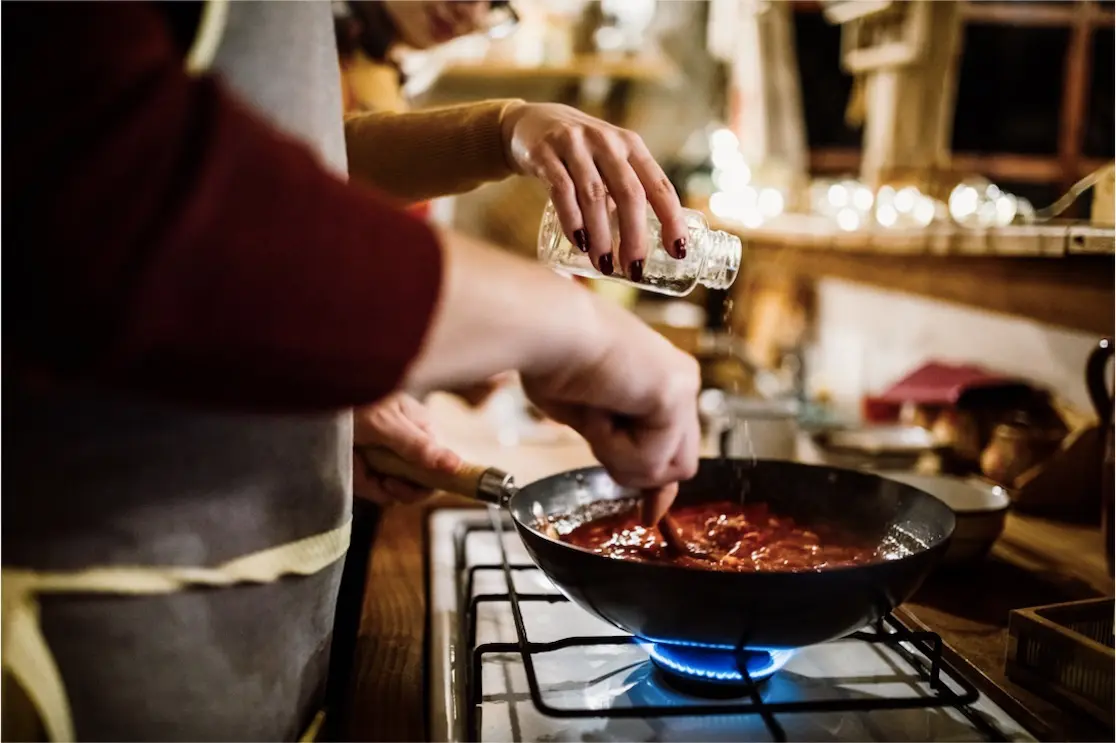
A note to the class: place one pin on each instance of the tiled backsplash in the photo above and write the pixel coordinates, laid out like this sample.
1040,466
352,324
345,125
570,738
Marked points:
867,338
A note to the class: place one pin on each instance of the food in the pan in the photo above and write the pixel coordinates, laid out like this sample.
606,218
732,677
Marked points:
727,536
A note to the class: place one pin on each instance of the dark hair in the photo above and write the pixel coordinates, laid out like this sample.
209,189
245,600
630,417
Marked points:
370,31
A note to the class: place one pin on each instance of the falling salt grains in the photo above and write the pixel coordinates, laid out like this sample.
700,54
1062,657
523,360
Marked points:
748,444
739,468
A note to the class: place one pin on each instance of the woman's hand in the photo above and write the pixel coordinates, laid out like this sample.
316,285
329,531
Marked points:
402,424
587,162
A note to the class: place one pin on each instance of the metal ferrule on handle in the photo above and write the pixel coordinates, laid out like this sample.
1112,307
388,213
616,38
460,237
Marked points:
487,484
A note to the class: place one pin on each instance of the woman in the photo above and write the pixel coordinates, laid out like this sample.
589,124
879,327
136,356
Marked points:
370,39
372,36
203,299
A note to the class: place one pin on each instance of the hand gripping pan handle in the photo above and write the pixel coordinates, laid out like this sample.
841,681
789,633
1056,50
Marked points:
486,484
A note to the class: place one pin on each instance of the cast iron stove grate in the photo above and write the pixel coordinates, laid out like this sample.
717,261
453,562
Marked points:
925,660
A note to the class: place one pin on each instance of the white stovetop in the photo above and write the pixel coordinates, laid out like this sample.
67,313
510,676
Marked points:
616,676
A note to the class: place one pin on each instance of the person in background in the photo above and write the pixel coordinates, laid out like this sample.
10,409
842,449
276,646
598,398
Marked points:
203,299
369,41
371,36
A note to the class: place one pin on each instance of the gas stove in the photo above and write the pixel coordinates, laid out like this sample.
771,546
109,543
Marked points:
510,658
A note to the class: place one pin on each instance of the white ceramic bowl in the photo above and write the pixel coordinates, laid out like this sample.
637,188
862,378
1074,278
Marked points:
980,508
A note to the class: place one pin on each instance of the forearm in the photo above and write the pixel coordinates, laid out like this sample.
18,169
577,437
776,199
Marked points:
425,154
529,319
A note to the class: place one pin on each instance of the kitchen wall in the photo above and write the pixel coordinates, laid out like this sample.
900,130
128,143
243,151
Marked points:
867,338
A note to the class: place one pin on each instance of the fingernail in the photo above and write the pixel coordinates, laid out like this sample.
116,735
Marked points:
635,271
680,248
604,265
581,239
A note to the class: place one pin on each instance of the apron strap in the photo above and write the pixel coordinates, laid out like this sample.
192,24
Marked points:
211,28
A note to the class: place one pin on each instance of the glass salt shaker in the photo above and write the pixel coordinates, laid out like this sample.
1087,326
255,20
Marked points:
712,256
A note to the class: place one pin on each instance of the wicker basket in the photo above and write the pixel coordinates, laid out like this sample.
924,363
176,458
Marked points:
1066,651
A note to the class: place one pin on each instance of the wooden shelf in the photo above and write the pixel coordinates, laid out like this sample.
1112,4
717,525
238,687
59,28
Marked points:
1056,287
1001,167
1048,240
1008,13
649,69
1036,14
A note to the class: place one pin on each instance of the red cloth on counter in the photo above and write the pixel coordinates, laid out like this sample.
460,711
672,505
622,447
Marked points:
161,237
937,383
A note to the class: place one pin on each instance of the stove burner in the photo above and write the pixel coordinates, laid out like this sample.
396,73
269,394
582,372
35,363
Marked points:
713,671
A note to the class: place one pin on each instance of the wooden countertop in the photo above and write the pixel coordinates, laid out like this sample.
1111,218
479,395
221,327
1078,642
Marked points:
1035,562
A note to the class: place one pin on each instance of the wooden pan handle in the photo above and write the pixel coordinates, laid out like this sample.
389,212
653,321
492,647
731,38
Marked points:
472,480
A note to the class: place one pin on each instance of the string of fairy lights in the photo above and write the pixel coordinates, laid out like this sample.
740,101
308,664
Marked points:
851,205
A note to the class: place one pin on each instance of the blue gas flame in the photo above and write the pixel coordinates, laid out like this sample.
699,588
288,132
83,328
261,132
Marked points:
717,665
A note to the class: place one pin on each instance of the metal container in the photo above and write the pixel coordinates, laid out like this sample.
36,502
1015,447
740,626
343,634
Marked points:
877,447
751,427
980,508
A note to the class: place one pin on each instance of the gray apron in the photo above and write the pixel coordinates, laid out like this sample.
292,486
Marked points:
97,479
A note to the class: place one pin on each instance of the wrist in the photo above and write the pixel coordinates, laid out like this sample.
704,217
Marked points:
576,330
509,118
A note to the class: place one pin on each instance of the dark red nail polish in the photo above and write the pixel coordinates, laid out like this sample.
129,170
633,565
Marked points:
635,271
680,248
604,265
581,239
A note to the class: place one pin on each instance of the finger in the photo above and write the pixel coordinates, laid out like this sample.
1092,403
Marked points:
631,202
405,437
384,490
414,444
421,449
592,195
662,197
563,194
686,458
367,486
440,458
658,448
640,460
656,502
685,464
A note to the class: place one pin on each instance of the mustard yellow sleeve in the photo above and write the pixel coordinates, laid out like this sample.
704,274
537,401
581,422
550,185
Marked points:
424,154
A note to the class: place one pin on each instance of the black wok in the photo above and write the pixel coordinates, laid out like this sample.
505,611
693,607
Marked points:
686,605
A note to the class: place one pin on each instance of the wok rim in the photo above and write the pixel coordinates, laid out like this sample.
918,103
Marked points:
939,545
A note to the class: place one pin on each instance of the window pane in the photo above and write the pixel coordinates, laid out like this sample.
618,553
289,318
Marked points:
1009,90
1099,129
825,87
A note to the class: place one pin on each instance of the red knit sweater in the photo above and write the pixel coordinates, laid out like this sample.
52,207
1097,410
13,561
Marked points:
162,238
